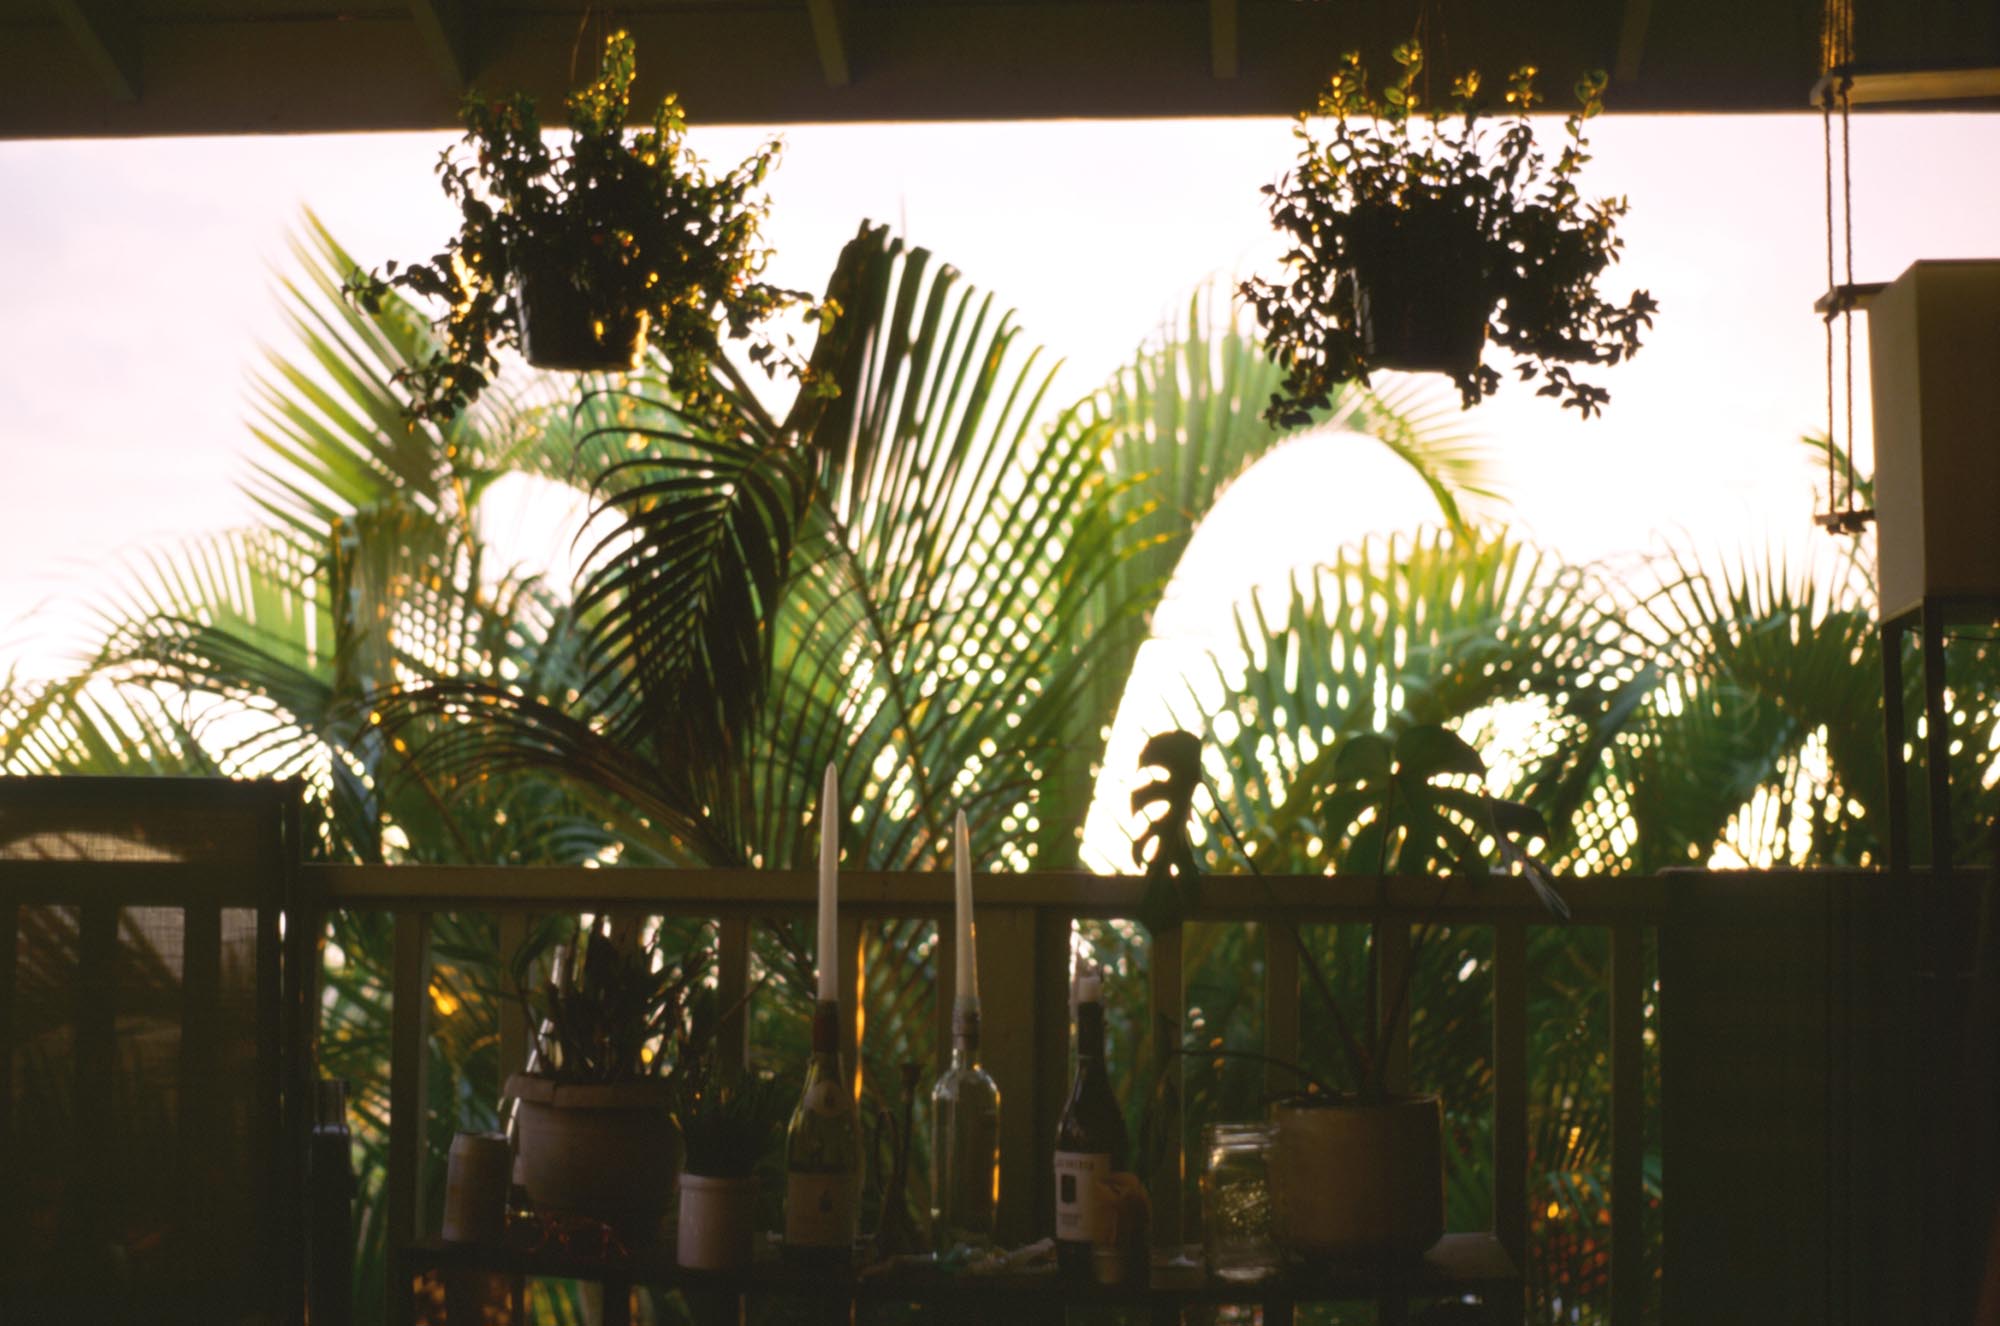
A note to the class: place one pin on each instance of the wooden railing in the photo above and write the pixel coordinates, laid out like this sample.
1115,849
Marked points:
1024,925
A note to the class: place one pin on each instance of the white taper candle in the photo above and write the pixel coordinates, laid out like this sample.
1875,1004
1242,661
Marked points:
829,895
968,960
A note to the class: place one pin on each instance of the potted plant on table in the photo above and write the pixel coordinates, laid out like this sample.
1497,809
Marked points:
579,255
1415,238
596,1118
1360,1166
729,1127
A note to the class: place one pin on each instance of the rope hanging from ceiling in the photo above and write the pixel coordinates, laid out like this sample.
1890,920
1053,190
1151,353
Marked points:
1843,515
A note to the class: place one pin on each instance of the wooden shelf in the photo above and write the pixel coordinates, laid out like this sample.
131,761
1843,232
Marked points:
1459,1264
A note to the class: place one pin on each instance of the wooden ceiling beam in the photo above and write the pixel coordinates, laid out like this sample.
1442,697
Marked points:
1223,35
1631,41
1909,87
830,37
108,35
446,29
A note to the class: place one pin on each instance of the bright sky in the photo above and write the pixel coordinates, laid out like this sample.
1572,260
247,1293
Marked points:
136,287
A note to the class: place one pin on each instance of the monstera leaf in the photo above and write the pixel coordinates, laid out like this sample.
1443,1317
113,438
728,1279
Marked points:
1414,803
1170,863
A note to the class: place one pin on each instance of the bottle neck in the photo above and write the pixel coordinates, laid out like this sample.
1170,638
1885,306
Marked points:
1089,1038
826,1033
965,1036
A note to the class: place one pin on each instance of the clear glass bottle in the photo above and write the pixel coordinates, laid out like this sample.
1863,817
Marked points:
823,1154
965,1142
1236,1215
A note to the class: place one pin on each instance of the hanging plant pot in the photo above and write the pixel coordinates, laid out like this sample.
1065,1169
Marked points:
607,1152
563,328
1419,289
1407,225
718,1223
1360,1181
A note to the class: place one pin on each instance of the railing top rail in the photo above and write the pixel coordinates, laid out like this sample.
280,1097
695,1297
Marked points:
1596,899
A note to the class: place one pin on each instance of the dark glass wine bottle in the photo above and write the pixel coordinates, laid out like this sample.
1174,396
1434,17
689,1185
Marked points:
330,1189
822,1154
1090,1140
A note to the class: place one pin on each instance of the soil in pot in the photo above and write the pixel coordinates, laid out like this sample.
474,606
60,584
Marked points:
718,1223
1419,290
607,1152
563,328
1359,1180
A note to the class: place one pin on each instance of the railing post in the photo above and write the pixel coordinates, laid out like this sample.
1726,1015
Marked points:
1169,1000
1050,1004
1510,1098
944,959
1281,1004
1012,985
853,989
1392,970
408,1112
732,980
10,939
512,933
1628,1121
202,1133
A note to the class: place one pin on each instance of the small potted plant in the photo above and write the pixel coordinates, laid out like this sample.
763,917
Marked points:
1361,1167
596,1118
729,1128
1416,237
581,254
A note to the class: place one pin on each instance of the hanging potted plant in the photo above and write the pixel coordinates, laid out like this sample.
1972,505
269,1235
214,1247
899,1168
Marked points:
1416,237
1361,1166
729,1128
581,254
596,1119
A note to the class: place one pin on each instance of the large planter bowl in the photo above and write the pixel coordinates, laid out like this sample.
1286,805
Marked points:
1359,1181
606,1152
561,328
718,1223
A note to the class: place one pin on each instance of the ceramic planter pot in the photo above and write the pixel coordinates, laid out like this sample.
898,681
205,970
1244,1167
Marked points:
1419,290
1360,1180
718,1223
606,1152
562,329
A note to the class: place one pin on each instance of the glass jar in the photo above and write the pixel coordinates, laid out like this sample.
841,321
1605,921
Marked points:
1236,1215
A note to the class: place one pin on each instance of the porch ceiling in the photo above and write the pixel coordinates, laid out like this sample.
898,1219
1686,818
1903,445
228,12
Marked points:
90,68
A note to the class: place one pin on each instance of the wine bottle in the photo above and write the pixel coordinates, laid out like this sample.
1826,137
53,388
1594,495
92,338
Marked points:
822,1154
330,1188
1090,1140
965,1142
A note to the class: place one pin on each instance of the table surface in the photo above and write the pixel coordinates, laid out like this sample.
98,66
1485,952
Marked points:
1459,1263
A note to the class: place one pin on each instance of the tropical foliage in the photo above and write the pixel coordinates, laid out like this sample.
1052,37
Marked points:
936,580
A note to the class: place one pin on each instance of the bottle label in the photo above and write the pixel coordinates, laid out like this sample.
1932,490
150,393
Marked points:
819,1210
1080,1214
824,1099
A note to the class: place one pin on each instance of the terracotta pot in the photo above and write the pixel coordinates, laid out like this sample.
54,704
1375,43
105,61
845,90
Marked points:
718,1223
1419,288
1360,1180
562,329
606,1152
